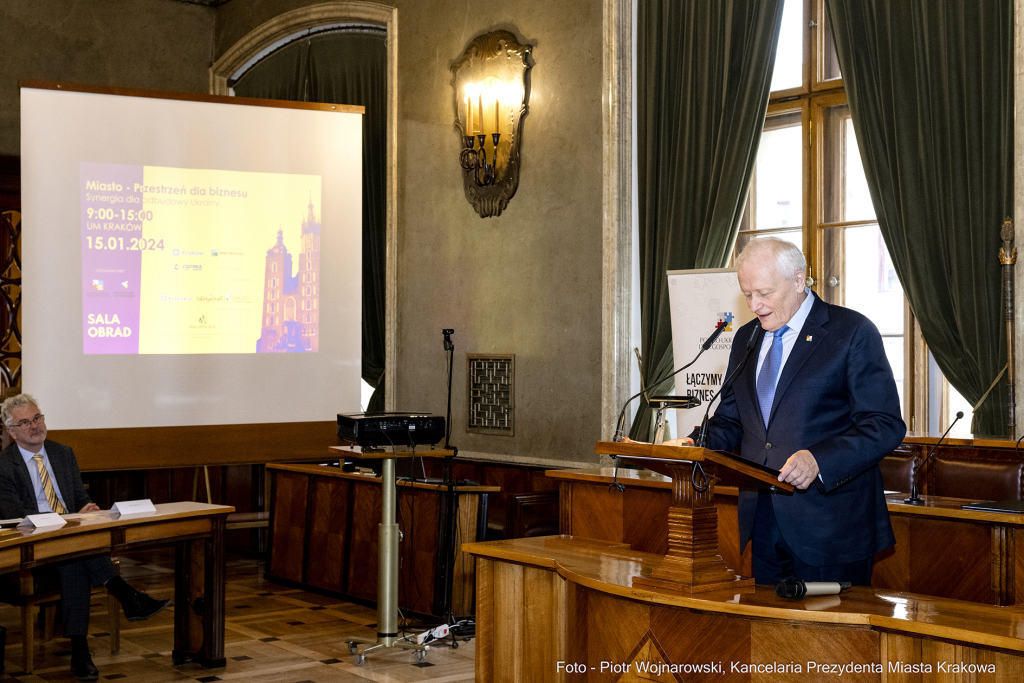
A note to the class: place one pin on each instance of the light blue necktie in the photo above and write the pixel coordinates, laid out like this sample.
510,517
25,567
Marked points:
769,375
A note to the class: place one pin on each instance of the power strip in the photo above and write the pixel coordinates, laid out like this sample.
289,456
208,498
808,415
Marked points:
437,633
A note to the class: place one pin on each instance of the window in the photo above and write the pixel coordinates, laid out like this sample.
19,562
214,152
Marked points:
809,188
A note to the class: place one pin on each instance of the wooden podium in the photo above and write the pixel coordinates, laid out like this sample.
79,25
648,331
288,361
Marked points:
692,564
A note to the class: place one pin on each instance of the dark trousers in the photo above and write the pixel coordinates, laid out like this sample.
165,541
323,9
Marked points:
773,560
77,579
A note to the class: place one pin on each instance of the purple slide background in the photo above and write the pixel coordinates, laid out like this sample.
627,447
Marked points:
115,298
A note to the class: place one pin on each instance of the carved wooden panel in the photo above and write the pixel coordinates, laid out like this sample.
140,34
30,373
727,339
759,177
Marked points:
809,645
951,559
10,299
418,521
362,574
288,525
597,513
892,566
645,519
328,530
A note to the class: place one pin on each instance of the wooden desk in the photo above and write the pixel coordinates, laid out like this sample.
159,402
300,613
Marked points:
196,529
323,535
541,601
941,549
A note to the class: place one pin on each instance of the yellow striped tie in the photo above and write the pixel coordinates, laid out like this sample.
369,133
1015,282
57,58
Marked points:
51,495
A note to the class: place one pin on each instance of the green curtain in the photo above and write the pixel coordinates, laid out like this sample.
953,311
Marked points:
703,77
345,68
930,86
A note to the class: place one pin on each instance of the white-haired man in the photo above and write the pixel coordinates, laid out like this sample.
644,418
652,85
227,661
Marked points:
38,475
818,402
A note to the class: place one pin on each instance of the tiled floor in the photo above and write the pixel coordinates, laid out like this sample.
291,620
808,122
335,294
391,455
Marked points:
273,635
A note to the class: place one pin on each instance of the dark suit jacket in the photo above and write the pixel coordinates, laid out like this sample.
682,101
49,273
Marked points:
17,495
836,397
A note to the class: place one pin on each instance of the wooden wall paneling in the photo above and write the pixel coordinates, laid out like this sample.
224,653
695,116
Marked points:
419,520
1003,563
465,564
894,647
615,629
935,651
158,485
565,489
362,572
560,648
950,560
597,512
695,637
1009,667
1018,568
805,644
540,638
199,445
329,523
484,659
645,518
509,633
892,567
237,486
541,482
288,527
511,480
577,617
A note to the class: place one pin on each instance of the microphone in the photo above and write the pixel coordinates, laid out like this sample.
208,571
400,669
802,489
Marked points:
712,339
796,589
914,500
703,347
755,338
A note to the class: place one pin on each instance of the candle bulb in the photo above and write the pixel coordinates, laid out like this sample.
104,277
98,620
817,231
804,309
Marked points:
480,109
496,128
468,124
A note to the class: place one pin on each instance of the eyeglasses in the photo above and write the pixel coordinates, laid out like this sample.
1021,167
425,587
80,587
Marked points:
38,419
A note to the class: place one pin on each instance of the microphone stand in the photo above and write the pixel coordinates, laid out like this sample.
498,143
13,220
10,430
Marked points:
914,499
451,510
643,392
755,339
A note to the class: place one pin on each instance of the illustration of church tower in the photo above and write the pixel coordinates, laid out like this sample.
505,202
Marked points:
290,312
309,282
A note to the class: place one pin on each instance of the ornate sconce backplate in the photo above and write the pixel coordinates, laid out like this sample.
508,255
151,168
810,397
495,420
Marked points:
491,92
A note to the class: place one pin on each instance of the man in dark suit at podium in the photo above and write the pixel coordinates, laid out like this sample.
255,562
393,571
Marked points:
36,476
817,401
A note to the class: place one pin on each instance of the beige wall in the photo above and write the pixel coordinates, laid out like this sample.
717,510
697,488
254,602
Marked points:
527,282
152,44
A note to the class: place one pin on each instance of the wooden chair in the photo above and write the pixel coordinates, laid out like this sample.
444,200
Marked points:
21,589
531,514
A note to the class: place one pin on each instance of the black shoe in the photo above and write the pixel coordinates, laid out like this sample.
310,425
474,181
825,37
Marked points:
82,666
141,606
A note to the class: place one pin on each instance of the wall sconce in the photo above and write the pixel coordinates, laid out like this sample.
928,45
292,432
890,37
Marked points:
491,98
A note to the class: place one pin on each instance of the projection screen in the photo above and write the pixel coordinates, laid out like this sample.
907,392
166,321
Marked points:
189,261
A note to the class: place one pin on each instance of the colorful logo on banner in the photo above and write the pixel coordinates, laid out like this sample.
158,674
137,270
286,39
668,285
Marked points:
727,317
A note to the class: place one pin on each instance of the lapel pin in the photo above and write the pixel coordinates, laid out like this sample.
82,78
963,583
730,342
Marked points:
809,337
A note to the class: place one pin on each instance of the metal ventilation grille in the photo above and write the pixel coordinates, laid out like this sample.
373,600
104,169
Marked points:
490,393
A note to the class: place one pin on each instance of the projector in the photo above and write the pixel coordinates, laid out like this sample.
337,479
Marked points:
370,430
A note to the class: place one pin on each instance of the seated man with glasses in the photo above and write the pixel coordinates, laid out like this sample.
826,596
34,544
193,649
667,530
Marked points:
39,476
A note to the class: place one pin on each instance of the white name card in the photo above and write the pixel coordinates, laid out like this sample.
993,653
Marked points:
46,519
133,507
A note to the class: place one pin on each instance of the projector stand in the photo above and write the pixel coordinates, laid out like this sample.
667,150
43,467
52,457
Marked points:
387,558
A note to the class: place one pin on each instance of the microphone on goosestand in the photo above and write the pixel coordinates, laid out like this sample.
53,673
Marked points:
914,500
703,347
755,337
796,589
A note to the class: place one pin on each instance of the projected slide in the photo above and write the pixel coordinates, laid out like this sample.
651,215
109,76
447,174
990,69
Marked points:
198,261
